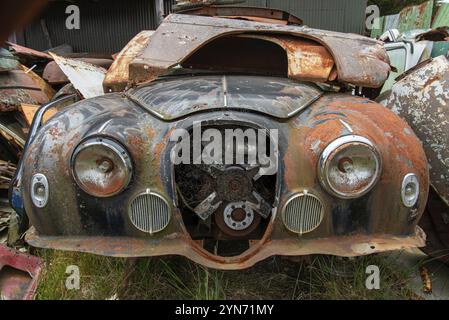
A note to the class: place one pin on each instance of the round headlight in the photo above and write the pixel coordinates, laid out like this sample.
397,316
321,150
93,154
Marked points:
101,167
349,167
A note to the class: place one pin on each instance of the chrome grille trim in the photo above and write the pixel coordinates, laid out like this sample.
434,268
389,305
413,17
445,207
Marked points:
149,212
303,213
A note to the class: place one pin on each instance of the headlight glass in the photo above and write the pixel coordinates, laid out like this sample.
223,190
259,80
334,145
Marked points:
349,167
101,167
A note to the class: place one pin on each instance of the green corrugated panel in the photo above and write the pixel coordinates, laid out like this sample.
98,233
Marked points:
441,18
377,32
440,48
417,17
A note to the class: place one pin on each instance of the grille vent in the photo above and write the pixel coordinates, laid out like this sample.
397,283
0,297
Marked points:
303,213
149,212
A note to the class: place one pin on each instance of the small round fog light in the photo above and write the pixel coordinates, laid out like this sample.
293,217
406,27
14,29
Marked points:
410,190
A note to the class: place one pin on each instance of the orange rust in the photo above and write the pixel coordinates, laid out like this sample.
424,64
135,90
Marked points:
348,246
136,142
117,78
307,60
54,131
159,147
430,80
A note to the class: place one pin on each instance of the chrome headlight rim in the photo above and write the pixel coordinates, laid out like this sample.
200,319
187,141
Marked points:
114,146
332,149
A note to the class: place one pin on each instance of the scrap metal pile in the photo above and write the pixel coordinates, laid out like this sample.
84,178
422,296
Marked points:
417,42
28,80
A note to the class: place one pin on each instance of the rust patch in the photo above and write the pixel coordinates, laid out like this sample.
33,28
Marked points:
359,60
117,78
179,244
307,60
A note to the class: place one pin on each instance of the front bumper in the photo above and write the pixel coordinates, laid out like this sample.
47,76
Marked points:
181,244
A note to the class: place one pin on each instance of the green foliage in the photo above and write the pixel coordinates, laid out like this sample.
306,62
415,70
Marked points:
394,6
318,277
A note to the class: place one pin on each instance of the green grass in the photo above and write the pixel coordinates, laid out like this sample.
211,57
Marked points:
177,278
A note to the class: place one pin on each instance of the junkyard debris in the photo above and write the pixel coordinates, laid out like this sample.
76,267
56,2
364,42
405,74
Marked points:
19,274
86,78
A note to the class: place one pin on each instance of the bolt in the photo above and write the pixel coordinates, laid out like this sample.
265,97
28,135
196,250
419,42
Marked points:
40,191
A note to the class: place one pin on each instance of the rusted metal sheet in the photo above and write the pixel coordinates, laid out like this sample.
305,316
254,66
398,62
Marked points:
416,17
27,53
266,15
54,75
19,86
350,246
19,275
307,60
359,60
86,78
117,77
44,86
420,97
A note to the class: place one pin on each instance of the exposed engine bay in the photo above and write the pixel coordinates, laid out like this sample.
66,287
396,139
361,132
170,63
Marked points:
226,202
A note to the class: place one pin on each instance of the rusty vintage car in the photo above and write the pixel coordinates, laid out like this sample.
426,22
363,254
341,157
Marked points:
351,177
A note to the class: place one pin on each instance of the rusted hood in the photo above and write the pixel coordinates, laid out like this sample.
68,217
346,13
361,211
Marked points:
359,60
175,98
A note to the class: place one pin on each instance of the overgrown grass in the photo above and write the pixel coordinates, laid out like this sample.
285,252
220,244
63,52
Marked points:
177,278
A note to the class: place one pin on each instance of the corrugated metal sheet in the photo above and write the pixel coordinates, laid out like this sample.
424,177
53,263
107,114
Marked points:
335,15
256,3
441,18
341,15
106,26
168,6
416,17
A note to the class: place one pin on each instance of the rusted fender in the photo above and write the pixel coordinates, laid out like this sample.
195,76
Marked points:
359,60
421,98
19,274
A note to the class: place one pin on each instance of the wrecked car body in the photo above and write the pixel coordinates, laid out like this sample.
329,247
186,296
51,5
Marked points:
350,178
420,97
